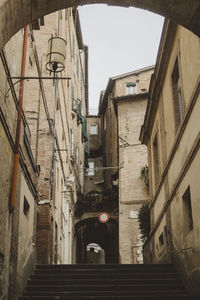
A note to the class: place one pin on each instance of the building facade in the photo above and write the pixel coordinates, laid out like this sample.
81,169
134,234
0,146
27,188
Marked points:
122,107
93,202
171,133
18,177
57,118
39,225
94,179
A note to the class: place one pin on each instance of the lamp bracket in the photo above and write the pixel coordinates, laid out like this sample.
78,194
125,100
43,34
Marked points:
19,79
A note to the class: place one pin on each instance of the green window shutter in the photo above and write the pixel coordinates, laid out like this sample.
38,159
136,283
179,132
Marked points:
85,139
80,118
87,151
79,106
131,84
85,136
84,129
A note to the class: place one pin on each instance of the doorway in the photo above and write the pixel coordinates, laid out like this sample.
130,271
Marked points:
102,236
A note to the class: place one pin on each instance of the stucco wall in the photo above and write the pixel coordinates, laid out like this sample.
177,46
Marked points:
10,223
178,163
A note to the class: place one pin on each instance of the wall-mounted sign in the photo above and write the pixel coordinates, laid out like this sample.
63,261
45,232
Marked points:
134,214
103,217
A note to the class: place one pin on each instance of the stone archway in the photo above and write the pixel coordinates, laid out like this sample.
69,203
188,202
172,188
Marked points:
15,14
92,231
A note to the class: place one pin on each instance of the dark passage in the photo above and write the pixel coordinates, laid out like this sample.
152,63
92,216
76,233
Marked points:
105,235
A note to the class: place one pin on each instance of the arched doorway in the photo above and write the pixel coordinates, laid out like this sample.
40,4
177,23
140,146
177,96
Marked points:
95,254
92,231
16,14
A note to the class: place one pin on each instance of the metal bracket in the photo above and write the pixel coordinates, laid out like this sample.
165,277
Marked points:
32,77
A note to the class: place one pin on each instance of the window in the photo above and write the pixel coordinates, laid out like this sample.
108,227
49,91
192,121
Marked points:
26,207
161,240
94,129
156,160
72,95
187,211
131,88
90,169
59,21
77,155
71,141
73,45
77,66
58,177
105,122
31,54
177,95
41,21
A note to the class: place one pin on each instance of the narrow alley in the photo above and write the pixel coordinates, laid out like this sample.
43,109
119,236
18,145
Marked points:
102,206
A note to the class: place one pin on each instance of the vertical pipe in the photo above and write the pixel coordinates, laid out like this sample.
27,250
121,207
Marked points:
52,172
18,129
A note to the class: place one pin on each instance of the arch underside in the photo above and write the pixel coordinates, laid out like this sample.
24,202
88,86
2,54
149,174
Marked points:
15,14
105,235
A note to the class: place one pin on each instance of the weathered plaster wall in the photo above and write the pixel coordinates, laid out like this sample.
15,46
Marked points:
9,223
26,257
178,152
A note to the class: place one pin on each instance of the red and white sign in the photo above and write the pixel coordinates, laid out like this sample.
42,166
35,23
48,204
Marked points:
104,217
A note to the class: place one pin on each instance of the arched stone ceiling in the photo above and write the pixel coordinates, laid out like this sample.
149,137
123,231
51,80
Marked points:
15,14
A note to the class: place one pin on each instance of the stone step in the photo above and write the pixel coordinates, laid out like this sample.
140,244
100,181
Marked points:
101,271
97,275
79,291
124,297
106,266
102,281
105,282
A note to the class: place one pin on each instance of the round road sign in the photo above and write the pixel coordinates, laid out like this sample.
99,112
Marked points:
104,217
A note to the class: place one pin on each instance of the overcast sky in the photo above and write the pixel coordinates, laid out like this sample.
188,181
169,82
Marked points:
120,40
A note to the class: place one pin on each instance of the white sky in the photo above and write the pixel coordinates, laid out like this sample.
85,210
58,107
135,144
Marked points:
120,40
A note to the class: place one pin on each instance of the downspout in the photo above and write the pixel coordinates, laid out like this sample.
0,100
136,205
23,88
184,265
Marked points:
18,129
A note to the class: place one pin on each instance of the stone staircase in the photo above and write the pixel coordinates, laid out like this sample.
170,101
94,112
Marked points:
105,282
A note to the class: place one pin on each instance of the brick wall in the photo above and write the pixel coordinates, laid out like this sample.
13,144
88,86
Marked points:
43,234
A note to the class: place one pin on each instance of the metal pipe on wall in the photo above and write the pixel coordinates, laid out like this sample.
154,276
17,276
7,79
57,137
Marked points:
52,172
18,129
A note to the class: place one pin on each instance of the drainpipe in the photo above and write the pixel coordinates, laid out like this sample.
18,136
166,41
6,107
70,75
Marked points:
18,129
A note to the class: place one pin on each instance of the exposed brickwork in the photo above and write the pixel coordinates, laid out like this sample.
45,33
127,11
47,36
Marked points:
43,233
122,115
133,192
18,230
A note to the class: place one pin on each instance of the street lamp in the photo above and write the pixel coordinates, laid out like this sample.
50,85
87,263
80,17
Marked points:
56,54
